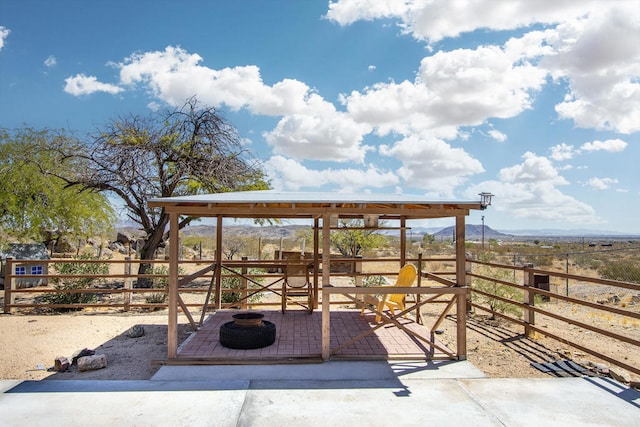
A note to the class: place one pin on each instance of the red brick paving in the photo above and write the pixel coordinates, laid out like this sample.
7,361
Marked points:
299,335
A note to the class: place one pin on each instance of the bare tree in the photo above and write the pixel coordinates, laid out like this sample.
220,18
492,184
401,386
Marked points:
186,151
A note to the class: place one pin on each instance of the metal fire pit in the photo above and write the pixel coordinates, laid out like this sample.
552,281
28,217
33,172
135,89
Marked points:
247,331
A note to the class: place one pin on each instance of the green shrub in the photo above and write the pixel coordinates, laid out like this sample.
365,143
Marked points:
235,282
623,270
498,289
80,283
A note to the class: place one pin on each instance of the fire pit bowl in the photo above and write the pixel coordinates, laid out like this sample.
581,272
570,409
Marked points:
248,320
247,331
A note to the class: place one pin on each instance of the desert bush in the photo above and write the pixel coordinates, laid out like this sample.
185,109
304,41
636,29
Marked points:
160,283
498,289
71,283
626,270
235,282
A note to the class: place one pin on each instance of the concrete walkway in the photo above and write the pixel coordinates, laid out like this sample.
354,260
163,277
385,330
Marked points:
337,393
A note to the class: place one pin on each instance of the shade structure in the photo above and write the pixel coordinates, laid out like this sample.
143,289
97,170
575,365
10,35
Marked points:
321,207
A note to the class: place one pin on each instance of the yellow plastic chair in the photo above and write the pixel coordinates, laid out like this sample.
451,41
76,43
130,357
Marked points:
406,276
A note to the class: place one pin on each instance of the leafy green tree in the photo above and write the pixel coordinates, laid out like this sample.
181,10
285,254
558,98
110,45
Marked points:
33,200
355,239
186,151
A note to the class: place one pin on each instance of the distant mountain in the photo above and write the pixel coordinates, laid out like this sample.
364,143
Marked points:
472,232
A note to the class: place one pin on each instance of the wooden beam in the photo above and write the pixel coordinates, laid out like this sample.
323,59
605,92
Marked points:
174,250
461,301
218,271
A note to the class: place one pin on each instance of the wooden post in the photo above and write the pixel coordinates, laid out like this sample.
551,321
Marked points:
245,288
461,301
326,278
218,271
403,241
9,285
316,261
529,300
174,250
467,283
128,284
419,284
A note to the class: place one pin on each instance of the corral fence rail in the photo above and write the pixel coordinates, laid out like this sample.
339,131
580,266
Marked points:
521,294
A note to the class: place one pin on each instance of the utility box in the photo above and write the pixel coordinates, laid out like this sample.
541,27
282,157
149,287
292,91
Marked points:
541,281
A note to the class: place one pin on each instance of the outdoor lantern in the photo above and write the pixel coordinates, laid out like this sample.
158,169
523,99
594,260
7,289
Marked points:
485,199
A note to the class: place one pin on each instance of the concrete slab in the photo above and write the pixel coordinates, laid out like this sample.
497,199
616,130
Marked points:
557,401
335,393
328,371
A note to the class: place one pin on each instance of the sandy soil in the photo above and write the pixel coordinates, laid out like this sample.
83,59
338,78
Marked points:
31,343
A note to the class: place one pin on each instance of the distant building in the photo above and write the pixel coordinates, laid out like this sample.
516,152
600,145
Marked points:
26,252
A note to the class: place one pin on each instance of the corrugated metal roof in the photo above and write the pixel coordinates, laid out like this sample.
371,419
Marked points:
271,196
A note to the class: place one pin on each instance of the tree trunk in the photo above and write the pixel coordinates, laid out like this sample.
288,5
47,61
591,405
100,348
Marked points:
148,251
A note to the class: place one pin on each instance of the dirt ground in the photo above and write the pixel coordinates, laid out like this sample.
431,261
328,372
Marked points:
31,343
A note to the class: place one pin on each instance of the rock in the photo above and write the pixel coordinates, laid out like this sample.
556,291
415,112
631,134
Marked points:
620,377
600,368
125,238
614,299
135,331
91,363
81,353
61,364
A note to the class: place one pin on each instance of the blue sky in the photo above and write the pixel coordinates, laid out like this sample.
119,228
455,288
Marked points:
535,102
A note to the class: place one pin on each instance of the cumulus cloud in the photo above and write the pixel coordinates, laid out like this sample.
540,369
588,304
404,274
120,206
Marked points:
289,174
434,20
463,87
175,74
86,85
529,190
432,165
610,145
4,33
590,44
562,152
50,61
598,56
497,135
601,183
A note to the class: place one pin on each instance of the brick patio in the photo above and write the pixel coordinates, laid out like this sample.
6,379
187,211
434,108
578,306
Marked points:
299,337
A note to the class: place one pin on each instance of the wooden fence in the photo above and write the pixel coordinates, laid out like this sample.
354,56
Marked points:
117,290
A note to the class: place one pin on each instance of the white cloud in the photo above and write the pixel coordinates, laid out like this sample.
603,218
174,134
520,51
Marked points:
601,183
434,20
174,75
463,87
4,33
533,169
529,191
321,133
432,165
497,135
598,56
50,61
371,67
562,152
85,85
289,174
611,145
591,44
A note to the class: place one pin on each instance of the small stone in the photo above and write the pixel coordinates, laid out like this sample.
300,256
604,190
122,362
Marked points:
81,353
91,363
61,364
618,376
135,331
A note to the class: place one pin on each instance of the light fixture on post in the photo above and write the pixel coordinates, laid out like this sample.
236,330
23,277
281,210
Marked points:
485,200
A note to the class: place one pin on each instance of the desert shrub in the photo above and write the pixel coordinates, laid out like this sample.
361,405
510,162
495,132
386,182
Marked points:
371,281
235,282
71,283
623,270
498,289
160,283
